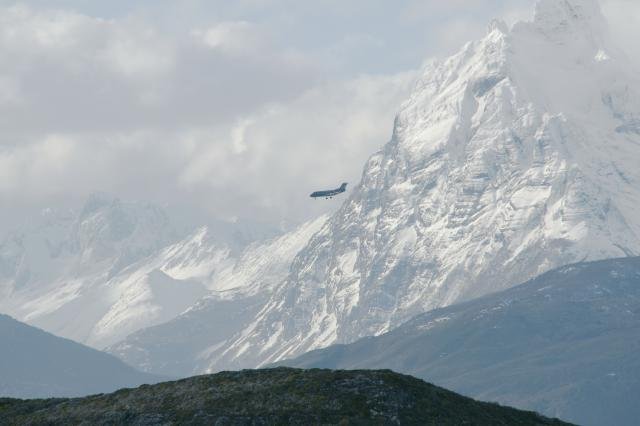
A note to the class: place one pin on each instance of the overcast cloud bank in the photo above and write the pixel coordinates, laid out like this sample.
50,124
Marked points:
228,109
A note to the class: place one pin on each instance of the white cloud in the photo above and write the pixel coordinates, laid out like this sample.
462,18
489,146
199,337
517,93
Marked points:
234,108
9,91
117,105
322,137
232,37
238,139
38,169
624,22
137,53
78,73
266,162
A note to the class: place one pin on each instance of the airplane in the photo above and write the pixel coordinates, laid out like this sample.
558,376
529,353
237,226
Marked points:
330,193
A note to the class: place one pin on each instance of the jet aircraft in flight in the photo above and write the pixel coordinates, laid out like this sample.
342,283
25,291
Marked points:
330,193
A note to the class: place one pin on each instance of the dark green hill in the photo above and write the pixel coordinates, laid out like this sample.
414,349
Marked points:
274,396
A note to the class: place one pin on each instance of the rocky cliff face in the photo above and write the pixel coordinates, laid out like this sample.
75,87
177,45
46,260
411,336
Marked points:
514,156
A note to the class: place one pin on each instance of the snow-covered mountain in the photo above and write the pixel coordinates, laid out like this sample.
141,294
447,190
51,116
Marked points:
106,234
516,155
181,347
99,274
161,286
53,270
563,344
36,364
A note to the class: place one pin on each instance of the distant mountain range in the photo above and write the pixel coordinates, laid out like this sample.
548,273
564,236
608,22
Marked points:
61,271
112,268
35,364
564,344
279,396
184,345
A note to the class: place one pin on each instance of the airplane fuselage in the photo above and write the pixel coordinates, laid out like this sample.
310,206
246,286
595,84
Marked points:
329,193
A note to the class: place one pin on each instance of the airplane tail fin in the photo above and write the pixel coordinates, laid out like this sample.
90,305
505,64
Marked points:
343,187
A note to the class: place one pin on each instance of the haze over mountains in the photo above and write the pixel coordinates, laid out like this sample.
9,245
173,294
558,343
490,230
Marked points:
114,267
55,270
38,364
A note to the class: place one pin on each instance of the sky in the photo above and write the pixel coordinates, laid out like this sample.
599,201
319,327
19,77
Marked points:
217,109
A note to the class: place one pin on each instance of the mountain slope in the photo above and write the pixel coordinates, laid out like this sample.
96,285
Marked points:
517,155
279,396
102,273
161,286
36,364
218,258
564,344
53,271
180,347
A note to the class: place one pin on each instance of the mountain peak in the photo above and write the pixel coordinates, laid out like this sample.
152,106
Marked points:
560,16
499,25
509,158
97,201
